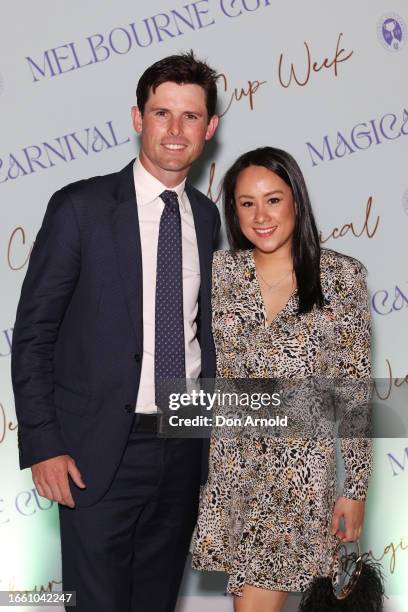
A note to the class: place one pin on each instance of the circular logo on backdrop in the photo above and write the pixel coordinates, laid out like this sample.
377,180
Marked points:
392,31
405,202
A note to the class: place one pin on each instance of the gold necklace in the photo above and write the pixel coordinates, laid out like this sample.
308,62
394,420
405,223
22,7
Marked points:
274,284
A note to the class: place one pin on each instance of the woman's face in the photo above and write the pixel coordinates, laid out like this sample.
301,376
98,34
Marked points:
265,209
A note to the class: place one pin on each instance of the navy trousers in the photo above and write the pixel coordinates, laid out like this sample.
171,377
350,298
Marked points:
127,552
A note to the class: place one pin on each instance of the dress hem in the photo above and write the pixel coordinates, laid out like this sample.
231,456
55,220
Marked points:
261,585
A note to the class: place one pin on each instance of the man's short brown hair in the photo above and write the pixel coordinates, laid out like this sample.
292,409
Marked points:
183,68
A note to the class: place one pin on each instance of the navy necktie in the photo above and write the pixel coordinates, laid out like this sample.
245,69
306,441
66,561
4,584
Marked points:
169,349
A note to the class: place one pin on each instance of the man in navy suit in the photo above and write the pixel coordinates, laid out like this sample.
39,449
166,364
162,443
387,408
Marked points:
116,297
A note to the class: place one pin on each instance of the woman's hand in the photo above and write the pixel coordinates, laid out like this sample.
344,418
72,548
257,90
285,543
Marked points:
352,511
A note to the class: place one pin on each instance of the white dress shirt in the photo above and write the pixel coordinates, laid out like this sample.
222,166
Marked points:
150,207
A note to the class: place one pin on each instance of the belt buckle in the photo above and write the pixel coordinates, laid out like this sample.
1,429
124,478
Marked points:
160,423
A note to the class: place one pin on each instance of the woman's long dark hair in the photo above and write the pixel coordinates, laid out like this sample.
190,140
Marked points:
305,241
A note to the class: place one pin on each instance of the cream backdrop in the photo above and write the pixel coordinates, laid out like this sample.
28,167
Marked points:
68,72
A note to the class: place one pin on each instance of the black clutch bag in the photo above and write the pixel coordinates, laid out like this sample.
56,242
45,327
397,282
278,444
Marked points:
356,584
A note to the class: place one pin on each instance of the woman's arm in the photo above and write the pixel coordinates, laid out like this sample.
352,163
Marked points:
352,368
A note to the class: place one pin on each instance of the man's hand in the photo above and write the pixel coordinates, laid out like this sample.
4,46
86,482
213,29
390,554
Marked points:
51,479
352,511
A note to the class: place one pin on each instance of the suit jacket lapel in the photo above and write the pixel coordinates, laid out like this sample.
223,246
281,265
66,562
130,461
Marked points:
126,238
204,232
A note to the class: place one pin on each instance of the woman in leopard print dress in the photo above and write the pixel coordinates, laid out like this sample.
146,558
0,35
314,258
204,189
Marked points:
269,513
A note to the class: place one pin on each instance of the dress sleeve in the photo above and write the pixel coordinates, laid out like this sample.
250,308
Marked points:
352,366
217,266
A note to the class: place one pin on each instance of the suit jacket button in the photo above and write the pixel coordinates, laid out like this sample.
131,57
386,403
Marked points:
129,408
137,357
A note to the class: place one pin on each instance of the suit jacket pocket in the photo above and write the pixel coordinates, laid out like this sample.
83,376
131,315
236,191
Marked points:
72,401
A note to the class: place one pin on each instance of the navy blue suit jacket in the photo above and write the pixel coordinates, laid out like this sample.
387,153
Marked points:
78,337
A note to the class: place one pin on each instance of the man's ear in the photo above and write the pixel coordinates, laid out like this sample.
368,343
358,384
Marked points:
137,119
211,127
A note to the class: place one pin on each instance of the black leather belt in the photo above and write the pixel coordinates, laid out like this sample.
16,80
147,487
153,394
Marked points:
148,423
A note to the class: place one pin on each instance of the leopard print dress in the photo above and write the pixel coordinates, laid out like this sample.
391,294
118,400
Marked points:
266,509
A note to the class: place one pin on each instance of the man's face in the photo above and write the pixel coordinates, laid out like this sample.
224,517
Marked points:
173,130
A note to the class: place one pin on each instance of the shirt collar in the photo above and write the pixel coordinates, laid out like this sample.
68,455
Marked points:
149,188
